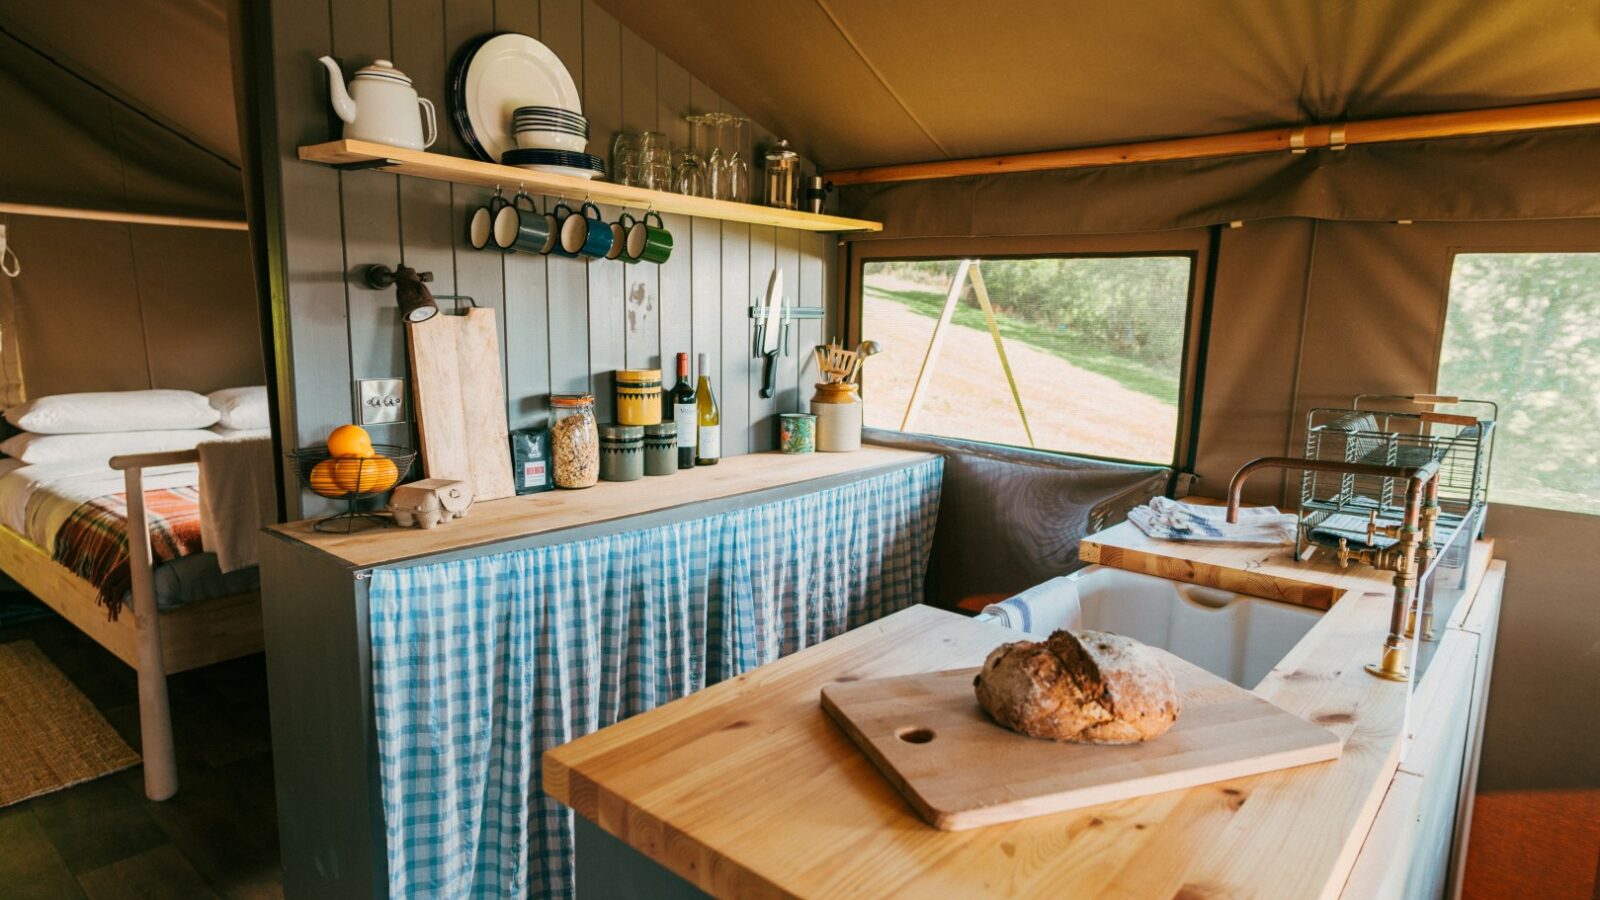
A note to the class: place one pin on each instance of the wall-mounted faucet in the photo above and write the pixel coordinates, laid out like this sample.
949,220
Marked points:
1408,558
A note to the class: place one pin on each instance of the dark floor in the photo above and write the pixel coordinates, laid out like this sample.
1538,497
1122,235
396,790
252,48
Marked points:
217,838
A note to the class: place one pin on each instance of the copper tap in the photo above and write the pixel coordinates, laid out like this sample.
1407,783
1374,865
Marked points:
1414,532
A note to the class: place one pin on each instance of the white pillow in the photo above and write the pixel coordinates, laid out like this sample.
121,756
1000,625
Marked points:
49,448
113,411
242,408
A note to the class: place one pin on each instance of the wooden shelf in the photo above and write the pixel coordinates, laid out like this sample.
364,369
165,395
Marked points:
439,167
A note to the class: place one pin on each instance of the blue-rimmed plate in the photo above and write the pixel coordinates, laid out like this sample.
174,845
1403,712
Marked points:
504,72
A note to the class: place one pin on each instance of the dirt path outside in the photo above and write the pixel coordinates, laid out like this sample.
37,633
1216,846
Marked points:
1068,408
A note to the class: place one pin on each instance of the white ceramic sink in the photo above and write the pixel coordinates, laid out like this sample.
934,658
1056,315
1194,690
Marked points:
1230,635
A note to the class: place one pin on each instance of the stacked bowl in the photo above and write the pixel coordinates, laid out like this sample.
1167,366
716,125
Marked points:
552,140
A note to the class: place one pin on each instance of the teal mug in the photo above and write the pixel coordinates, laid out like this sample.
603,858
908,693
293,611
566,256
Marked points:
619,239
516,228
586,234
480,225
647,242
557,218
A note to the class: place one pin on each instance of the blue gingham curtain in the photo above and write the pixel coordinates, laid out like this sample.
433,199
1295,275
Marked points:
481,665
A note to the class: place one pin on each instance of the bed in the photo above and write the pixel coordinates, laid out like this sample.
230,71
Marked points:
162,610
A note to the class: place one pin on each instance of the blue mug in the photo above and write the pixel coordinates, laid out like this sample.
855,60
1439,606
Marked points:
586,234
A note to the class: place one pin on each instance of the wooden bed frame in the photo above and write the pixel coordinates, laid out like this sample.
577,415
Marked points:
156,643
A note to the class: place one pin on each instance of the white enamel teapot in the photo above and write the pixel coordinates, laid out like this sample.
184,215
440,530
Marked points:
383,108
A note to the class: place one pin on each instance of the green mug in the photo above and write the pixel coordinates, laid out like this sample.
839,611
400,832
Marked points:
647,242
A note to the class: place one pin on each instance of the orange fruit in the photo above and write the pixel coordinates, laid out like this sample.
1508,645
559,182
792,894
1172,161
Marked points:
365,476
323,479
350,440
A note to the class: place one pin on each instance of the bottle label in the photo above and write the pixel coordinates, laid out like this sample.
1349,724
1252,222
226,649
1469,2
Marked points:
710,442
684,414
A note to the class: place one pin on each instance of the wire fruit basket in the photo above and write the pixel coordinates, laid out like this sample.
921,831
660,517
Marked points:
1336,505
352,479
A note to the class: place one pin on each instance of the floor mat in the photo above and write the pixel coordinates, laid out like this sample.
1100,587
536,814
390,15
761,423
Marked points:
52,736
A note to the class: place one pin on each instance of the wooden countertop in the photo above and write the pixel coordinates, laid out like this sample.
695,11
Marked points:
747,789
496,521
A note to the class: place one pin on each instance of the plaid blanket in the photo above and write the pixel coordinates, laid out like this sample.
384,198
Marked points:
94,541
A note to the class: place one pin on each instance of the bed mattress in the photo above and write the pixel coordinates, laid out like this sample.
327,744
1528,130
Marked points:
37,500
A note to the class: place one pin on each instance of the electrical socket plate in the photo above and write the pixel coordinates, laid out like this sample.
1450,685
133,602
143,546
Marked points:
382,400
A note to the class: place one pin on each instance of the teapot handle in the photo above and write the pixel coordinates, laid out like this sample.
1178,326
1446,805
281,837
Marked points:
433,125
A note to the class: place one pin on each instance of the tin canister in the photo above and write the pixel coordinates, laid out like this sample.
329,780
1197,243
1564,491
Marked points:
797,432
638,396
661,449
621,452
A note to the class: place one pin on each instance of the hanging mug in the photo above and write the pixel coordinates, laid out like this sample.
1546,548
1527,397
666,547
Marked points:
619,239
516,228
651,243
586,234
557,219
480,225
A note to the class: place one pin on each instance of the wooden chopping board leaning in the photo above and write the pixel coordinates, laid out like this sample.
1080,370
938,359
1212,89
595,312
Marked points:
461,401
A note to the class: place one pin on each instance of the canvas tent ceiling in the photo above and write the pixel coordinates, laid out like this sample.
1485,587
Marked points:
875,83
125,105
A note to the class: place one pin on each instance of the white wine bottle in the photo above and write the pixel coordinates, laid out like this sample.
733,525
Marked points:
708,448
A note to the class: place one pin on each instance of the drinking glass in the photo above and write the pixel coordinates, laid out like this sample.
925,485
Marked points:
625,159
655,161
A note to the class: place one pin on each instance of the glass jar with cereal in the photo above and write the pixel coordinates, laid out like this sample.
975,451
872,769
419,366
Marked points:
574,440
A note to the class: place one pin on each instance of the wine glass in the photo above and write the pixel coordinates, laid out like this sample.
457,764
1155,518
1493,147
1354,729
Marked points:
717,162
738,165
690,172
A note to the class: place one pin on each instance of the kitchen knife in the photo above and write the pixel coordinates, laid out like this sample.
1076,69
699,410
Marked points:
771,333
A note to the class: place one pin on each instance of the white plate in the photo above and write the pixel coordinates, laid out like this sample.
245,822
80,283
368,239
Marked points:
561,170
508,71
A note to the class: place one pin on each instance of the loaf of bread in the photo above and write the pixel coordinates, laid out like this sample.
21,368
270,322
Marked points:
1090,687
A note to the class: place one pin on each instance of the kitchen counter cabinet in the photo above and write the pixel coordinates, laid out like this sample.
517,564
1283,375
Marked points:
320,643
747,789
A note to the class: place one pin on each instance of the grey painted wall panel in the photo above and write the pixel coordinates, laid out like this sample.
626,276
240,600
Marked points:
564,324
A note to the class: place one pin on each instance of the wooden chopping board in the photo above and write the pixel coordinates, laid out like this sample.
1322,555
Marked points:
928,735
461,402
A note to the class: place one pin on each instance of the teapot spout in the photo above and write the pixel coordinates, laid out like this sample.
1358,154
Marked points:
342,104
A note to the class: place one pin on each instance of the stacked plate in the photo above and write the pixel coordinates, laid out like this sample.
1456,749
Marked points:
549,128
494,76
556,162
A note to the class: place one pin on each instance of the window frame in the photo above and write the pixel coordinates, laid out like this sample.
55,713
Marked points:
1197,245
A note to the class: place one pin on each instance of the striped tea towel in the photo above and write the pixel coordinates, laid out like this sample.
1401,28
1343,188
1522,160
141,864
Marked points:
1174,521
1040,610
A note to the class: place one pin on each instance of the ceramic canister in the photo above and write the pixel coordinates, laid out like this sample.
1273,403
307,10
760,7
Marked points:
838,410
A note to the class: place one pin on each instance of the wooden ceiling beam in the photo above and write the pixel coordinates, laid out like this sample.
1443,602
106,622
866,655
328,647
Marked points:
1294,139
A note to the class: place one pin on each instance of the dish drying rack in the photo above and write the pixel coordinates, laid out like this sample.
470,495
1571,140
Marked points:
1336,505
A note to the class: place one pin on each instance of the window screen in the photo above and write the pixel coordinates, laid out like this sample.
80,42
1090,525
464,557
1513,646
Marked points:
1523,329
1094,346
